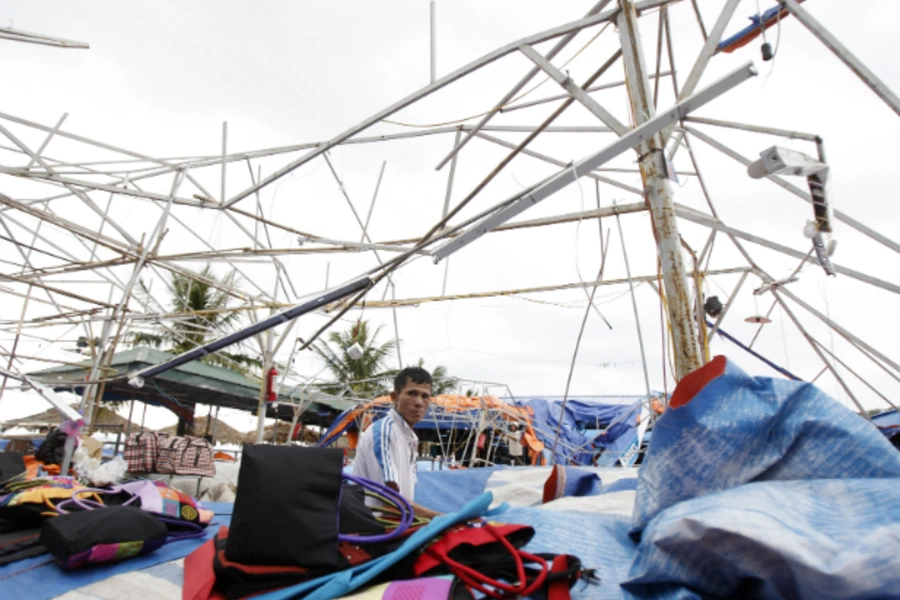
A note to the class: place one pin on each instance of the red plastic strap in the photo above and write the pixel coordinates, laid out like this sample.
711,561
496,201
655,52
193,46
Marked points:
477,580
559,589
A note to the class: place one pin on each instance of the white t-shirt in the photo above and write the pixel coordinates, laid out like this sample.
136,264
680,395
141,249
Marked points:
514,440
387,452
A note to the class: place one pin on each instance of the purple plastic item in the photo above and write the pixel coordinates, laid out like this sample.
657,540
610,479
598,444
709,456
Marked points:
406,512
424,587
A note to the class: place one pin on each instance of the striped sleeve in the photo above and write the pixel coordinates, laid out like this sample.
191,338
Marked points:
383,439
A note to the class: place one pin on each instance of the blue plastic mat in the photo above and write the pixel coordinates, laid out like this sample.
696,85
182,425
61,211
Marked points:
449,490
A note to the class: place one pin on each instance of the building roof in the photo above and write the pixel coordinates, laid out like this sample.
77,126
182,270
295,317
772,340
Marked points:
183,387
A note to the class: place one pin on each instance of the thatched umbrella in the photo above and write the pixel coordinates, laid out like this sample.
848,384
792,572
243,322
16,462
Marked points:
310,437
225,434
105,418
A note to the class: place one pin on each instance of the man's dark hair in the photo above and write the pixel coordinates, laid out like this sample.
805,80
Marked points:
414,374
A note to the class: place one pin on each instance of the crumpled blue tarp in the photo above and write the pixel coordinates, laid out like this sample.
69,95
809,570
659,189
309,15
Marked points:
765,488
575,447
822,539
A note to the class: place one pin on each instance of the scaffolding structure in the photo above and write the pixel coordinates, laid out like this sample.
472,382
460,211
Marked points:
91,233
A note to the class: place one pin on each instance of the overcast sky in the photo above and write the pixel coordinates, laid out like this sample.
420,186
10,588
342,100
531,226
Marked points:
160,78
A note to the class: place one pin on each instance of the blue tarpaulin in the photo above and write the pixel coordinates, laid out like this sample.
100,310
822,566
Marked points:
576,445
752,488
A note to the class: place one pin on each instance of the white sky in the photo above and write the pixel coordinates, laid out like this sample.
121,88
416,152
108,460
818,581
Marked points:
160,78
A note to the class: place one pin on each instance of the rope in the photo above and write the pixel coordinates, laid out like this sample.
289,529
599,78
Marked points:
637,319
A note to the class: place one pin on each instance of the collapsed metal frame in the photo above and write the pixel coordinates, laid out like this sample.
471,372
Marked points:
40,275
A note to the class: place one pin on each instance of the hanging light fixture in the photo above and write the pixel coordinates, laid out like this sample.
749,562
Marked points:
761,320
713,306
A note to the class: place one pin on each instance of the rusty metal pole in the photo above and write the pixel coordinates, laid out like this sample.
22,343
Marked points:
658,194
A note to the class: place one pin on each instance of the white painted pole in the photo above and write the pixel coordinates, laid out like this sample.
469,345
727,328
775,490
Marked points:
659,197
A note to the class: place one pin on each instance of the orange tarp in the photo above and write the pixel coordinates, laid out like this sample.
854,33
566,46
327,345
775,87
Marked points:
451,403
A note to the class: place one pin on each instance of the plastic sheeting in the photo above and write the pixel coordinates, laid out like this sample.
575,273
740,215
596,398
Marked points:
738,429
581,415
752,488
766,488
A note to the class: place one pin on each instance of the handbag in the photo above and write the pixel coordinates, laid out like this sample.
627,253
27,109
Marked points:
100,536
142,451
291,509
25,504
183,516
185,456
285,512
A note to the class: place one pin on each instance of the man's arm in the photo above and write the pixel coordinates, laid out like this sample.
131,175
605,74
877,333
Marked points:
419,510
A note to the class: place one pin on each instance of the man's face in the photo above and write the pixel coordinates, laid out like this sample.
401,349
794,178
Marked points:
412,401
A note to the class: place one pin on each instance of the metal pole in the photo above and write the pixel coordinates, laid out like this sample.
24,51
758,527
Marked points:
396,328
840,216
709,48
130,413
728,304
839,50
372,205
703,219
447,203
659,195
522,83
215,424
786,133
12,354
815,346
840,330
267,364
637,317
46,141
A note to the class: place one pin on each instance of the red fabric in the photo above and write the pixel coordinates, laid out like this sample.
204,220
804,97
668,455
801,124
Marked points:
199,576
555,484
559,588
691,384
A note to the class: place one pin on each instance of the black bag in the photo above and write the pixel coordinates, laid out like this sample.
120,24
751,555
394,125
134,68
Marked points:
19,545
11,464
52,450
286,509
109,534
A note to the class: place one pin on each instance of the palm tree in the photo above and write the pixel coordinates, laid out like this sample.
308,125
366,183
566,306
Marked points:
441,382
365,375
204,303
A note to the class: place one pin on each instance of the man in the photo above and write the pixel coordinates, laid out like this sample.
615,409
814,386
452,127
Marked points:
387,450
514,441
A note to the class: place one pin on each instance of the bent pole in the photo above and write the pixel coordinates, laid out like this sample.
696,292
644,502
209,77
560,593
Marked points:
138,378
